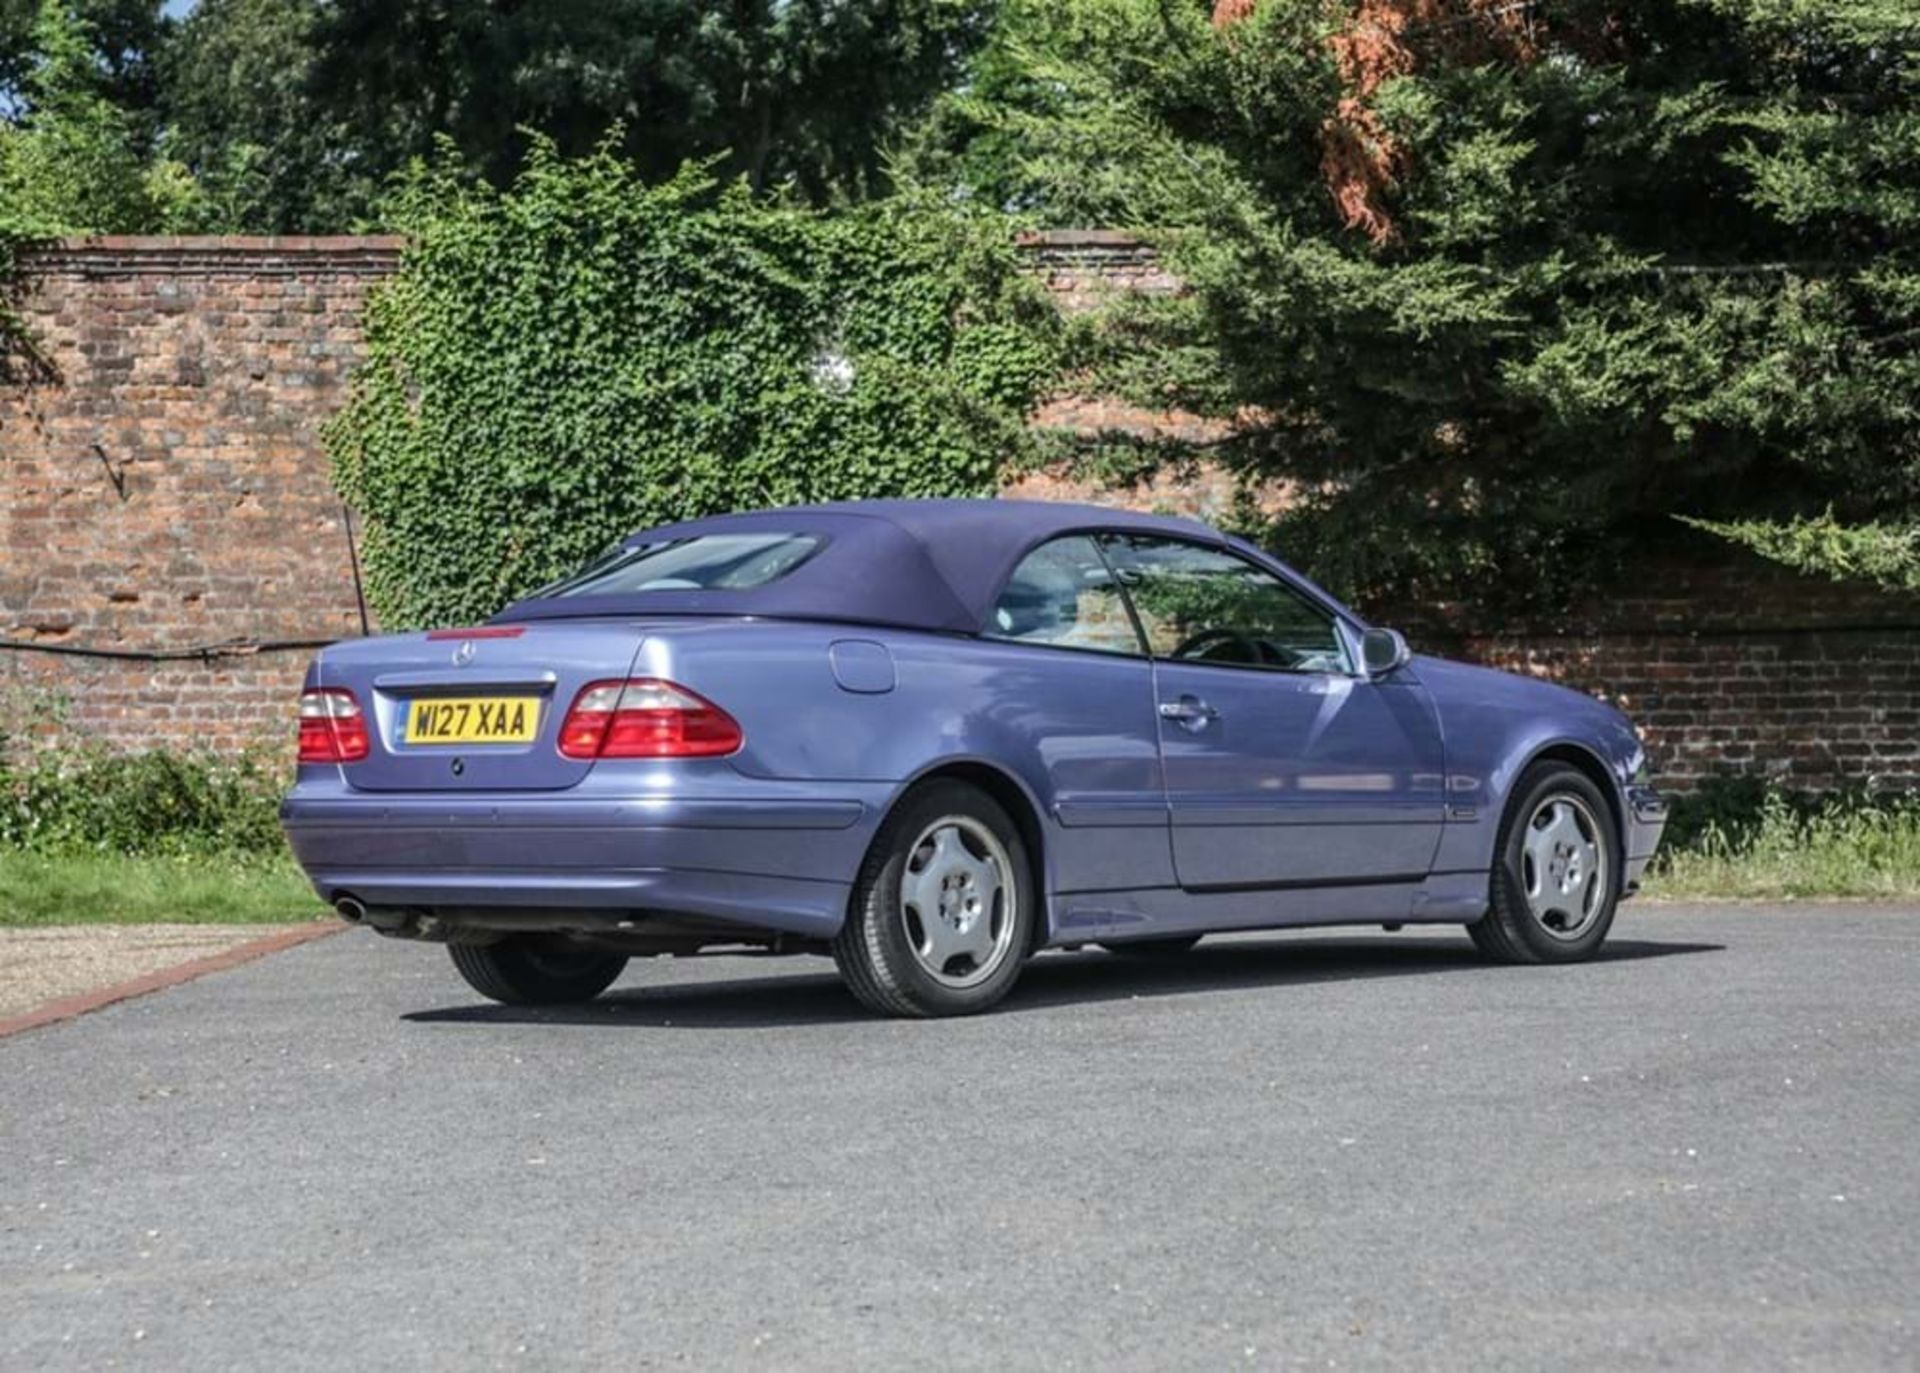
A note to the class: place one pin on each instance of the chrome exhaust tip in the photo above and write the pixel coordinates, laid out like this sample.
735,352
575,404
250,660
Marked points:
350,909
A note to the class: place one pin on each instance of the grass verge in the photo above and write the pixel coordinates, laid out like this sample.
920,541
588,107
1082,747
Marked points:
114,889
1781,850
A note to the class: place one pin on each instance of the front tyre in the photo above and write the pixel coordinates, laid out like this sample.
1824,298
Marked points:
1556,877
942,913
536,970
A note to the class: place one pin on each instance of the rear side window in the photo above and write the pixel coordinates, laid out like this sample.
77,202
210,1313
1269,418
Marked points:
705,562
1063,595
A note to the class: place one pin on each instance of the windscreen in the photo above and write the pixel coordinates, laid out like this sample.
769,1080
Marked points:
704,562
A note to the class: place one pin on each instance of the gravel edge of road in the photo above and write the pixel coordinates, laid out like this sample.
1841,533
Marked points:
80,1003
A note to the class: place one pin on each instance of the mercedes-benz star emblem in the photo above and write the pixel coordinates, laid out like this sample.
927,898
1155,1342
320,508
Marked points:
463,654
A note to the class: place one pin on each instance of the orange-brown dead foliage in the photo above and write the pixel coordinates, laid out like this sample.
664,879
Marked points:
1380,40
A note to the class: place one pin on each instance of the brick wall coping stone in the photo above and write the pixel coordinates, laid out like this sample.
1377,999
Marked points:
283,254
144,254
1079,238
388,244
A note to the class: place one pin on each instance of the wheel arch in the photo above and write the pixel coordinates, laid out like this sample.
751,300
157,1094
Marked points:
1012,796
1594,768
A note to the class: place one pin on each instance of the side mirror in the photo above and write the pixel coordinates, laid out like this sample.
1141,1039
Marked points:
1383,650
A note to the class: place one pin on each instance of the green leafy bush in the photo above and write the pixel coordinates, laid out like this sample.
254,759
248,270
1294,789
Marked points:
148,804
584,354
70,159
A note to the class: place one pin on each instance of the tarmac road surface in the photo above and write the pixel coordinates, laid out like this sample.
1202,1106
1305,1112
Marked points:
1331,1148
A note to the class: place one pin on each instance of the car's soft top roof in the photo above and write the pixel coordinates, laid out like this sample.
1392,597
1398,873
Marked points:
934,564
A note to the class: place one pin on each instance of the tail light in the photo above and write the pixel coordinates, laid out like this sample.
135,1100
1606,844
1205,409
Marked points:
644,717
332,727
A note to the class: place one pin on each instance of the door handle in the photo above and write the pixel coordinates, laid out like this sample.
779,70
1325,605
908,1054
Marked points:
1189,712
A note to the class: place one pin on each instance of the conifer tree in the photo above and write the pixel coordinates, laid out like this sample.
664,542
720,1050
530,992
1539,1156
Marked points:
1499,289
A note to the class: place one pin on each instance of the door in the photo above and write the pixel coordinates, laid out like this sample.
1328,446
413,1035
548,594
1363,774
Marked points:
1070,689
1283,766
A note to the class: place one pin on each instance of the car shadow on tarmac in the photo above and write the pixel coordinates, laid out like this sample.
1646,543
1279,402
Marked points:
1052,980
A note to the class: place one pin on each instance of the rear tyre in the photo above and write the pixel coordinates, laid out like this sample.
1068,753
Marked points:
942,914
536,970
1556,877
1153,948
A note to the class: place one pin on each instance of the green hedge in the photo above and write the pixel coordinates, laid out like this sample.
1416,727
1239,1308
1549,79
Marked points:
147,804
584,354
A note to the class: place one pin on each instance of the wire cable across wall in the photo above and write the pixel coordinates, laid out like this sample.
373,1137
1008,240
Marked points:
246,648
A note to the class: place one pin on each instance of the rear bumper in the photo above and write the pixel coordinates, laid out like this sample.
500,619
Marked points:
1646,822
765,856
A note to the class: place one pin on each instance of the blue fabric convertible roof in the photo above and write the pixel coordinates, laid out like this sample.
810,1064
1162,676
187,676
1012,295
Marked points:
934,565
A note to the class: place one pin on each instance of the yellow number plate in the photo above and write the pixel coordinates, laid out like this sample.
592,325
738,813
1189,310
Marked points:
473,720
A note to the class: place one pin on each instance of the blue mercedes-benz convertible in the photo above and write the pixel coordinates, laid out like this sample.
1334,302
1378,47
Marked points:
931,738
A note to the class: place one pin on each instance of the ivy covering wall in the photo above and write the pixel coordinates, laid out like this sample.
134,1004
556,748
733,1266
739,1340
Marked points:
584,354
12,332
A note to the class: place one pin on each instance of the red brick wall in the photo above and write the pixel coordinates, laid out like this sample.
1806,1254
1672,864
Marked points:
1083,269
1733,666
165,488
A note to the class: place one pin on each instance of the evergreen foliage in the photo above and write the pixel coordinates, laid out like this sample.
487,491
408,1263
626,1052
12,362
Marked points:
244,113
124,38
1886,553
71,160
295,112
1497,289
584,354
291,115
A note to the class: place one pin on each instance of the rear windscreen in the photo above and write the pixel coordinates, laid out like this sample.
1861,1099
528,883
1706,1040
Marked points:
705,562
